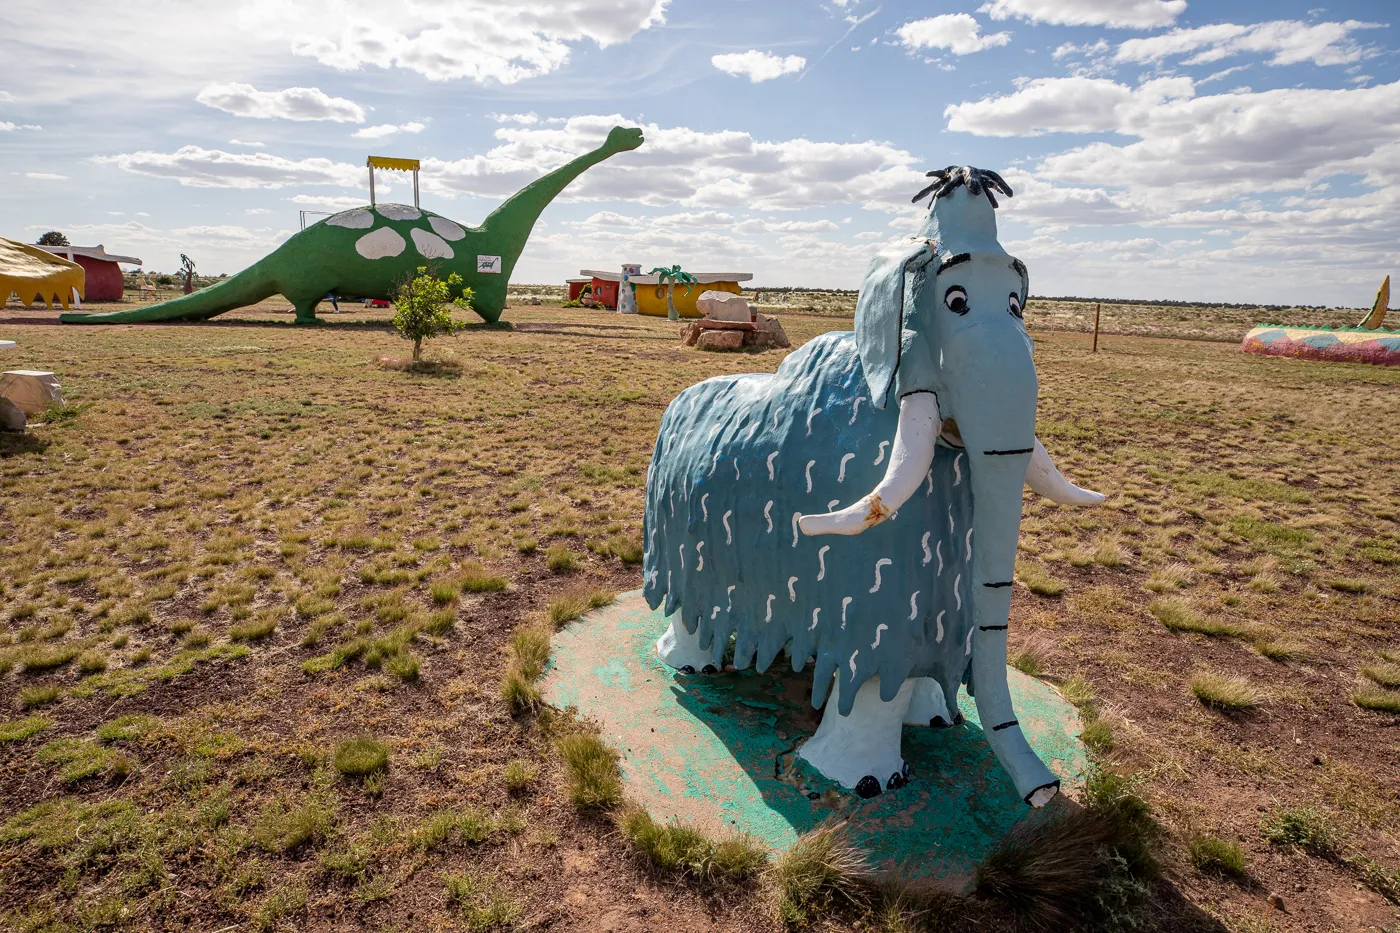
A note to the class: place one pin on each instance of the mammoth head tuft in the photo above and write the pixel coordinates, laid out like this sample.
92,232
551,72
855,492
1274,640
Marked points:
977,180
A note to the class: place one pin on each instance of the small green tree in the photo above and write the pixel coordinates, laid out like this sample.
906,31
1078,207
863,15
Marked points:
424,306
53,238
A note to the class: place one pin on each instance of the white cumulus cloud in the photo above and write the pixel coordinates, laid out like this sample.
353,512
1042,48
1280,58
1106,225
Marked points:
1122,14
487,41
389,129
959,33
758,66
12,127
1288,41
240,142
293,103
1066,105
214,168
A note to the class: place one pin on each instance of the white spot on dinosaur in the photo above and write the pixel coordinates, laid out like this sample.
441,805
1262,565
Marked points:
728,535
841,473
878,630
682,553
928,555
967,546
821,561
882,561
380,244
701,565
775,416
398,211
957,581
832,504
770,463
767,509
768,616
653,575
939,622
914,606
714,462
938,549
795,517
930,483
792,593
810,464
951,526
810,415
736,467
815,612
845,601
968,650
881,459
853,663
430,245
753,429
446,229
855,408
358,219
957,469
713,613
704,512
729,598
671,497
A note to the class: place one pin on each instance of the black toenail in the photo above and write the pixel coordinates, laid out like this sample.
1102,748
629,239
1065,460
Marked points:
687,669
958,719
938,722
896,781
710,669
868,787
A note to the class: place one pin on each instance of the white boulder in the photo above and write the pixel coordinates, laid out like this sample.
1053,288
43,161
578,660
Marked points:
31,391
724,306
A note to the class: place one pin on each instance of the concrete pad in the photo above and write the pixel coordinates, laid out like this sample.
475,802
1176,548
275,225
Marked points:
719,752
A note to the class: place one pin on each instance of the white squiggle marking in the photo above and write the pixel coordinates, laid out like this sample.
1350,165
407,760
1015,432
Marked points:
714,461
768,617
669,438
713,613
957,468
692,402
951,527
724,520
770,463
914,605
939,622
682,553
881,459
668,582
775,416
810,415
736,467
792,593
930,483
654,575
938,548
831,506
851,365
878,630
701,565
821,561
815,612
810,464
795,535
967,546
853,663
729,597
704,512
928,555
841,474
766,509
671,497
845,601
753,429
968,651
685,488
957,581
882,561
651,538
855,408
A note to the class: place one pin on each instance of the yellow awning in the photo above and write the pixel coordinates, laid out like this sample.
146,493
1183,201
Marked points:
31,272
397,165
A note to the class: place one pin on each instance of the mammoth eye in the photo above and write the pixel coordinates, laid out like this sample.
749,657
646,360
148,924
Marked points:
1014,304
956,299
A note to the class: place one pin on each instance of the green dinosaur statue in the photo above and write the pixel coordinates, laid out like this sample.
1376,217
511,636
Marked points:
366,252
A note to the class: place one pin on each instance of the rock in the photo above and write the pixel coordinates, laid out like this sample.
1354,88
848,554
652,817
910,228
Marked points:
690,333
769,325
1278,903
720,340
11,418
31,391
724,306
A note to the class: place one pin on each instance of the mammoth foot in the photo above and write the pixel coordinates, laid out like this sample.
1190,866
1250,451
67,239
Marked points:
681,650
861,752
928,707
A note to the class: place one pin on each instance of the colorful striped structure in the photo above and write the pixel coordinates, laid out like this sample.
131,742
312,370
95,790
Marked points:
1366,343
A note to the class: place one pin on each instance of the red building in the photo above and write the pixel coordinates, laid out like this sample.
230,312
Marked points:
103,274
576,287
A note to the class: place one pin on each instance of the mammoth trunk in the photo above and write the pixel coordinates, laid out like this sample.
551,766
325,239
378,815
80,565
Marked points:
997,477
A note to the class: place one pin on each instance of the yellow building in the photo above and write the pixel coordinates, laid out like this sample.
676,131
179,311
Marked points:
651,294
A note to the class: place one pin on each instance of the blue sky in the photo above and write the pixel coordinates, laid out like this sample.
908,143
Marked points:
1223,151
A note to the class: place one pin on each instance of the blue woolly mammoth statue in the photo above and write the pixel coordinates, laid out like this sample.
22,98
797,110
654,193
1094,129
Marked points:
860,508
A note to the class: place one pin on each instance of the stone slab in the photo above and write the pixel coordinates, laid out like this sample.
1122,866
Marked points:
719,752
32,391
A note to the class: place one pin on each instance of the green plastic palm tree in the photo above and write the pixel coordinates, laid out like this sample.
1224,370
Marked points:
670,277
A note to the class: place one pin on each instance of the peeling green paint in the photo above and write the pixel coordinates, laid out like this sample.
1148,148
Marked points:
717,751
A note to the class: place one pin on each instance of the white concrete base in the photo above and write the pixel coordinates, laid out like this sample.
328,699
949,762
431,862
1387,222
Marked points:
681,650
862,751
928,704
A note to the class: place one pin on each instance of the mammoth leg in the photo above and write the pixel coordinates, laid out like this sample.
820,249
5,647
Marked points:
681,650
929,707
862,751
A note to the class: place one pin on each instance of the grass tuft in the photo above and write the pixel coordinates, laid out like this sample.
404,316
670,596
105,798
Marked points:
481,905
573,604
18,730
1048,875
1302,828
529,649
560,559
39,695
475,578
1224,692
258,627
282,828
1214,856
518,774
1178,615
1038,580
674,847
360,757
590,768
1383,675
1380,701
822,866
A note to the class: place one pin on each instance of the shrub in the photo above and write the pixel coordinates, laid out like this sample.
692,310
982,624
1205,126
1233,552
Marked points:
1116,800
591,771
423,307
1216,856
1224,692
1303,828
361,756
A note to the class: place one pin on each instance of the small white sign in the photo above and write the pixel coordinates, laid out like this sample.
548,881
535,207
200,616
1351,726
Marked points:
491,264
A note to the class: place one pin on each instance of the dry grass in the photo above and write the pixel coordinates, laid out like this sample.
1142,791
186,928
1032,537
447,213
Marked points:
590,769
1224,692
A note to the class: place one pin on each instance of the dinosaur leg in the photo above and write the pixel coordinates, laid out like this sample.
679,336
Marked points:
862,751
681,650
929,707
306,311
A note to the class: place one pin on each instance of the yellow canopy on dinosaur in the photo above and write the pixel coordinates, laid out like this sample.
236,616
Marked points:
31,273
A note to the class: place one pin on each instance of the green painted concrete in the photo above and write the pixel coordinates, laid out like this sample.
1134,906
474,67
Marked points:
718,751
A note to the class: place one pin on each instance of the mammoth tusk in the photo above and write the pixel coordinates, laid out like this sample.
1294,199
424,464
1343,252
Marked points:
1046,479
910,457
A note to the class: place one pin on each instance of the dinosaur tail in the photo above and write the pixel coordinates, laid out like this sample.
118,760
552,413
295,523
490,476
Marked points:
248,287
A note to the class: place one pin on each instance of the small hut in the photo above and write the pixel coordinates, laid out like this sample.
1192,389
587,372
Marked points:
104,274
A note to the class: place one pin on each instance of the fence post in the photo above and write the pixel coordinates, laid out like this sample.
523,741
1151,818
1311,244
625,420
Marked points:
1096,327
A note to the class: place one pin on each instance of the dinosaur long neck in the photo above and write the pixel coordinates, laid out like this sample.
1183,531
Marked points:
512,222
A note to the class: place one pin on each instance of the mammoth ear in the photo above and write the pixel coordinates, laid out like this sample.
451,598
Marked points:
880,310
